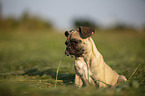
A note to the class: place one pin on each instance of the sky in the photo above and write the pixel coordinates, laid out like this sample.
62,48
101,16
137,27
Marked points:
62,12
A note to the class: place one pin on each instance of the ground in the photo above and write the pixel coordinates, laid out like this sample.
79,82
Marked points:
29,60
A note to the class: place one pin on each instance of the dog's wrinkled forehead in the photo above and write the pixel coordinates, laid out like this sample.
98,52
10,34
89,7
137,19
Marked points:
74,34
71,33
83,32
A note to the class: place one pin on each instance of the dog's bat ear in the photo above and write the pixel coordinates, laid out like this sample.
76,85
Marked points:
86,31
66,33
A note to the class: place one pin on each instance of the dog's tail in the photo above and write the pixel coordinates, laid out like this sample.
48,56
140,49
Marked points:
121,78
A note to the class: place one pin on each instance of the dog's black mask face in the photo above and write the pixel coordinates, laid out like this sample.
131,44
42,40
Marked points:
73,44
73,48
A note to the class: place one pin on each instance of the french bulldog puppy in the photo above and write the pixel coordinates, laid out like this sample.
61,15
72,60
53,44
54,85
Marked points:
90,66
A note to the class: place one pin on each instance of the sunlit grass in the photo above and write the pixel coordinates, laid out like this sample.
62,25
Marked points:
29,60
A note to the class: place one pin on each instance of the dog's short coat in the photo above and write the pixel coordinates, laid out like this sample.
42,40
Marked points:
90,67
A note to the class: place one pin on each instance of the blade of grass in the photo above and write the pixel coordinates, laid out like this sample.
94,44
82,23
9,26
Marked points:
58,70
134,71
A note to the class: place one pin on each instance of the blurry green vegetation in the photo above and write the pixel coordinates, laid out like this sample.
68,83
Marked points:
28,63
25,22
120,26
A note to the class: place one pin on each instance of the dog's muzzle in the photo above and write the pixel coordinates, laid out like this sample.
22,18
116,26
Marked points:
74,52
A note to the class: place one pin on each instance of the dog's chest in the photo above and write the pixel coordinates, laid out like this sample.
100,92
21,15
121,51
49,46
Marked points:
81,67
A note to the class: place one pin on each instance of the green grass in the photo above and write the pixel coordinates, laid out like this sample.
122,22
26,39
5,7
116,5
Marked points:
29,60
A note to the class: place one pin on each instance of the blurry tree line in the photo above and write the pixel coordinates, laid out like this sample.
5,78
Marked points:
32,22
118,26
26,21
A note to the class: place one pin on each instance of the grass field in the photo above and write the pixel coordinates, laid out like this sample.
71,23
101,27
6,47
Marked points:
28,63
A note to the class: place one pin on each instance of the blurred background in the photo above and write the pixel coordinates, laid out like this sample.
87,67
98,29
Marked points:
68,14
32,44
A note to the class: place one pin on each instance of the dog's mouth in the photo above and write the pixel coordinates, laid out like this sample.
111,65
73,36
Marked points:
68,54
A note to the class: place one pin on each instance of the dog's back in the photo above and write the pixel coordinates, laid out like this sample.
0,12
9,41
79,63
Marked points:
111,77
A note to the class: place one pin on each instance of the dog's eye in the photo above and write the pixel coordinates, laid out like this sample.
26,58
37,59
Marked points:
79,41
75,41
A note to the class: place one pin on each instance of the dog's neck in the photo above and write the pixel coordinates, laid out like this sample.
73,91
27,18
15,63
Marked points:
92,54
